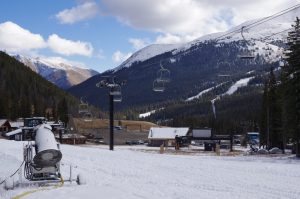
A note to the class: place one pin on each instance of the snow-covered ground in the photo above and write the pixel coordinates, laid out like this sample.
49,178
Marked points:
130,173
147,114
238,84
203,92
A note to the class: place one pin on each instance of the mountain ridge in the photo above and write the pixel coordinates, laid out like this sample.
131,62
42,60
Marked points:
57,70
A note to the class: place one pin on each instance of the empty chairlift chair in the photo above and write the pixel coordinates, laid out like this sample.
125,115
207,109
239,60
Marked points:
116,92
158,86
83,108
246,54
163,75
88,117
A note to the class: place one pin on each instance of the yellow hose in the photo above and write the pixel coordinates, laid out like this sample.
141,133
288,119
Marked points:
40,189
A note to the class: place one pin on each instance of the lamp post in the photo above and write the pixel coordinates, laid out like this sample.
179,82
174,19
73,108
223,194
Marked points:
115,95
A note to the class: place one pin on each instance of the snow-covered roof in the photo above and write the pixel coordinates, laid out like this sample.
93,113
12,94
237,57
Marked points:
14,132
167,133
16,124
2,121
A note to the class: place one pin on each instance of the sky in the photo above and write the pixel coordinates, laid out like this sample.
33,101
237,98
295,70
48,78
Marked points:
101,34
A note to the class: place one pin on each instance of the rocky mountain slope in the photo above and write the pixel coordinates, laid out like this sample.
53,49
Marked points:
57,71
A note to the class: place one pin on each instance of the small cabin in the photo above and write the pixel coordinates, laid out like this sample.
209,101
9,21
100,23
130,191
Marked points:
4,126
166,135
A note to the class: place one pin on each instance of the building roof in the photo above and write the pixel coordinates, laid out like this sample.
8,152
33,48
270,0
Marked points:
14,132
16,124
167,133
3,121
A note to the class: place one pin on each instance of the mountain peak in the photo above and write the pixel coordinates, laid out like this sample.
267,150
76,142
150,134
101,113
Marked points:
57,70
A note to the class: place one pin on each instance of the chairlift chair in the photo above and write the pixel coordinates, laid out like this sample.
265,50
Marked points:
117,98
88,117
247,54
115,90
83,108
163,75
158,86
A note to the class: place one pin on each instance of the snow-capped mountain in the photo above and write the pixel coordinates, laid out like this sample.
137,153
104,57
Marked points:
196,66
58,71
258,34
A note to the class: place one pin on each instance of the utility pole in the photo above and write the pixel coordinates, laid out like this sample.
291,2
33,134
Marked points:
115,95
268,126
111,122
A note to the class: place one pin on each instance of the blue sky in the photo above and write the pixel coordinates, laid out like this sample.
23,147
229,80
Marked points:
100,34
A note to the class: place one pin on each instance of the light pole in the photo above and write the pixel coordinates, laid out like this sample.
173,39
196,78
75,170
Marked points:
115,95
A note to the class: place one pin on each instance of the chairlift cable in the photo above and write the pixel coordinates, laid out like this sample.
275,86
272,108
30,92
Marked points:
256,23
261,21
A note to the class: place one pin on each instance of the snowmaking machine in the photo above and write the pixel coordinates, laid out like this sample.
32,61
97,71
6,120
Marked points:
42,160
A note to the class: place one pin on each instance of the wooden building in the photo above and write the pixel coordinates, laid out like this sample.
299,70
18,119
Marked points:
166,136
4,126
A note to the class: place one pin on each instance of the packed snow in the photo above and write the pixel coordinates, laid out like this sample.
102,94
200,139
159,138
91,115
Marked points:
147,53
147,114
134,173
203,92
238,84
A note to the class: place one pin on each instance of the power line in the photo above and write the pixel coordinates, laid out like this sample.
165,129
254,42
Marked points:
269,36
261,21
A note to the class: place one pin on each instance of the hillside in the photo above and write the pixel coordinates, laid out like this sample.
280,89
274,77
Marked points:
193,72
58,71
25,93
198,67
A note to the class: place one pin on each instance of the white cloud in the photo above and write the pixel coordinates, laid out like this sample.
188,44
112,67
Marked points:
119,57
168,39
86,10
138,43
183,20
16,39
67,47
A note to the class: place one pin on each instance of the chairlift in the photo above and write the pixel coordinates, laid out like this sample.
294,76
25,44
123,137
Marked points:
88,117
117,98
246,54
83,107
158,86
163,74
115,90
224,75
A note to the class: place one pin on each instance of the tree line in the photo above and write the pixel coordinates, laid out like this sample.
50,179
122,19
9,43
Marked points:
280,116
23,93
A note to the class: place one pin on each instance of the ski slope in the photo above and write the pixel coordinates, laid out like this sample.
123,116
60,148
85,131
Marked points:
237,85
128,173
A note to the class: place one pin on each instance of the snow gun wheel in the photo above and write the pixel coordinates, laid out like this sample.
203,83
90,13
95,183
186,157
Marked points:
80,179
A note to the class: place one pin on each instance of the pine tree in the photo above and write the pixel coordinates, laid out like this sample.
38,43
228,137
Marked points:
62,110
274,112
264,117
271,123
291,85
